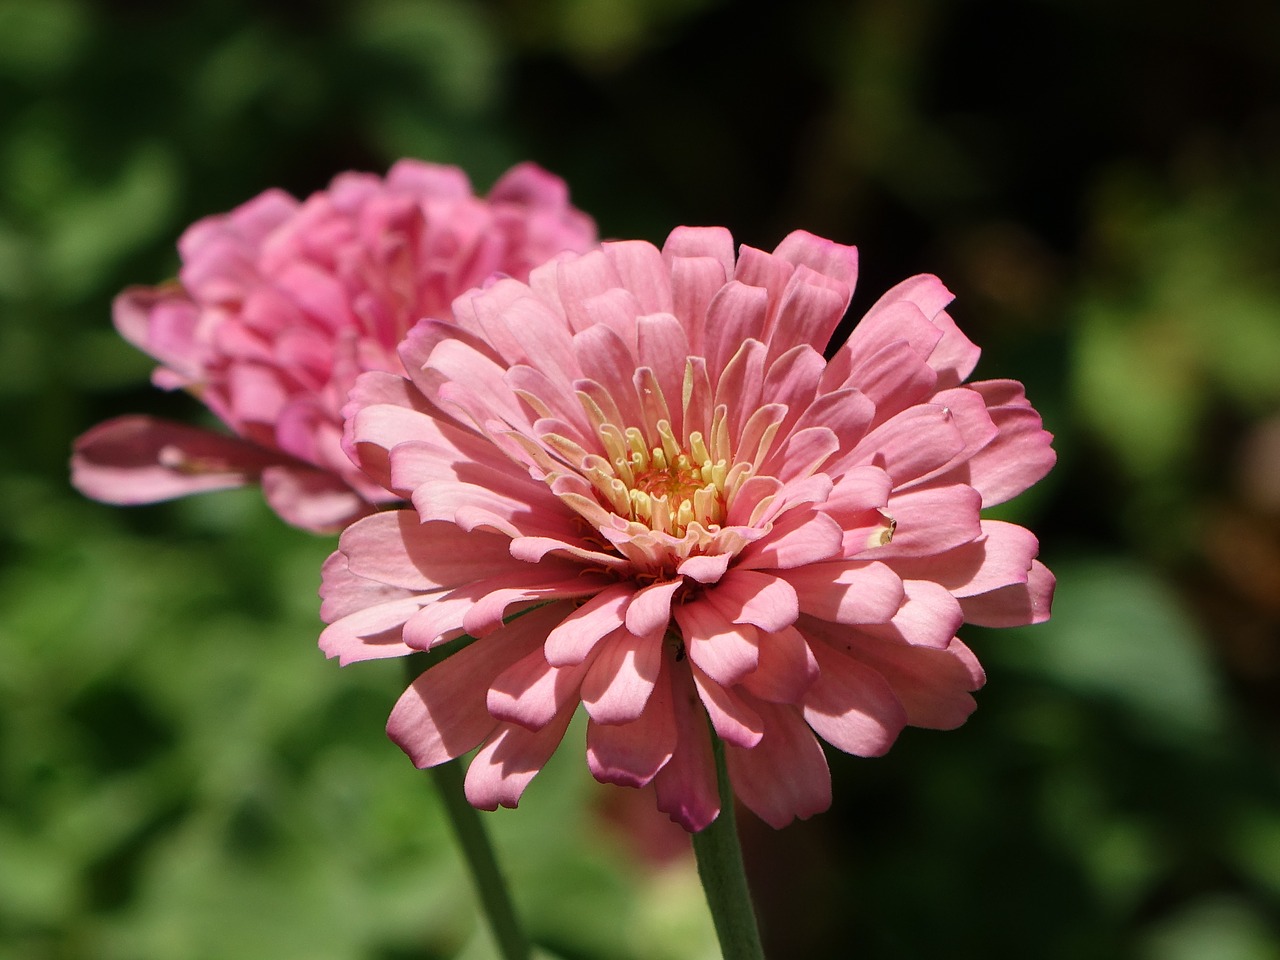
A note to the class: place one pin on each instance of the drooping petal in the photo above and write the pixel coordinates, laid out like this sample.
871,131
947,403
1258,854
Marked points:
732,717
622,676
686,785
532,693
786,667
850,705
573,638
787,744
137,459
509,760
444,713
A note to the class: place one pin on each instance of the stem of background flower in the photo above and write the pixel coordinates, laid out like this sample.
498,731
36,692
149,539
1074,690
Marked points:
724,880
473,838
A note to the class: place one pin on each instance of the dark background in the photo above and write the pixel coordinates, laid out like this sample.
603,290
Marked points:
183,776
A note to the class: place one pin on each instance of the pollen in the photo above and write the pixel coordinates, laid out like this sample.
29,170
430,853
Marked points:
664,486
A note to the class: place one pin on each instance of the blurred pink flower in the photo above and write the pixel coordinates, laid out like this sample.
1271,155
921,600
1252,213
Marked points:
639,484
280,305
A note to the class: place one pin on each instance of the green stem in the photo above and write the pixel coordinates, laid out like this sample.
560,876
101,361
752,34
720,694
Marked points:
477,850
724,880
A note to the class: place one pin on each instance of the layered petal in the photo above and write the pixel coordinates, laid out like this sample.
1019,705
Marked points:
282,304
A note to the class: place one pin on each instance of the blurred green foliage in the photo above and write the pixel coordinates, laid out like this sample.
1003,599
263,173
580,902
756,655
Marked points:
183,776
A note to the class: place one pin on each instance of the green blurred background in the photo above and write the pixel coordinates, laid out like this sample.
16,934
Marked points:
182,775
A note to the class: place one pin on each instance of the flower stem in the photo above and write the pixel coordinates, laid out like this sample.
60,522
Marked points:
473,838
724,880
478,851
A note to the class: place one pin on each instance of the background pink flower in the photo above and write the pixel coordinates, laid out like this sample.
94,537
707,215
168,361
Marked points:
637,482
281,304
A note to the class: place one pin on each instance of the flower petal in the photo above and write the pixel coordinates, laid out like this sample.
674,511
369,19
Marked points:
725,651
621,679
444,713
1016,605
787,744
850,705
509,760
136,459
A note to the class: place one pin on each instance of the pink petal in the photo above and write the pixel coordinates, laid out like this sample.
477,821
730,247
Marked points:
785,775
650,608
799,538
735,315
686,785
911,444
622,676
934,685
895,377
707,568
761,599
733,719
573,639
1000,557
928,617
1021,455
1016,605
930,520
312,499
850,705
581,278
787,667
444,713
955,356
740,385
641,269
531,692
715,243
848,591
810,309
694,283
831,259
631,754
344,593
509,760
662,347
136,459
725,651
372,633
396,548
479,607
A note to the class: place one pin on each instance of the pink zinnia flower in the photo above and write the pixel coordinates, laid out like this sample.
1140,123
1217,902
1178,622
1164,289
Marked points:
280,305
638,483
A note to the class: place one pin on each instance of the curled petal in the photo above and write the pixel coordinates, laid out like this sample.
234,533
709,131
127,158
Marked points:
1016,605
509,760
